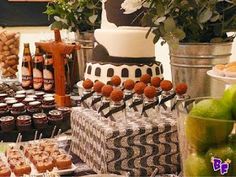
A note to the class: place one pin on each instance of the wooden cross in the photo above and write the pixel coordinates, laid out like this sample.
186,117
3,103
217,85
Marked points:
59,50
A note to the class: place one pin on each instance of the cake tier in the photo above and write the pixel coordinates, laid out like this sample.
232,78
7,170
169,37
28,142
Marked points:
104,71
123,42
113,15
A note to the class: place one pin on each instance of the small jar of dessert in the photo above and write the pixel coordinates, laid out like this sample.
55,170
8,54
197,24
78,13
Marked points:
40,120
7,123
55,117
34,107
65,112
48,104
20,97
2,97
9,99
32,96
3,110
18,109
23,123
10,103
39,95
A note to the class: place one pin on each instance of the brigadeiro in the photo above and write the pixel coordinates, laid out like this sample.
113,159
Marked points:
139,87
106,90
116,81
98,86
156,82
181,88
166,85
146,78
129,84
116,95
150,92
87,84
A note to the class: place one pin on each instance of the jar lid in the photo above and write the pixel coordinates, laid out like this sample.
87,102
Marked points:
55,113
63,109
48,99
39,93
24,118
3,104
3,94
20,96
21,92
31,96
11,101
27,99
39,116
34,103
17,105
6,118
48,95
9,98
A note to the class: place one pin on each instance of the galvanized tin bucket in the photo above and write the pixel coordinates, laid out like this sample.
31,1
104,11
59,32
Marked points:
190,62
86,40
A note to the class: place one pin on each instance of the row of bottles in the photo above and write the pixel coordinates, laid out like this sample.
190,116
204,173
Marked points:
37,72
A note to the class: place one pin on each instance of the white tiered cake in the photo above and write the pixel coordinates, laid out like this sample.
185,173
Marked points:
121,46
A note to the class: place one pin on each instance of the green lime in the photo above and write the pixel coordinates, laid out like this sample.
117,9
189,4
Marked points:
224,153
196,165
205,125
228,95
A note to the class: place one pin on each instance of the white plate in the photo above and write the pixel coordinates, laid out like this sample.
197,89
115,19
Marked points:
227,80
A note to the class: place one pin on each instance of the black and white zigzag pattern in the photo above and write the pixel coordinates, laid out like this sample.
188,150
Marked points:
137,147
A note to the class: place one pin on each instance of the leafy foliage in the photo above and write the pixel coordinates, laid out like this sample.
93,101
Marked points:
75,15
191,20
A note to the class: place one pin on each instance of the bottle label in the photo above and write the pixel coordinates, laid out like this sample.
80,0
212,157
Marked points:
27,58
48,80
26,77
38,59
37,78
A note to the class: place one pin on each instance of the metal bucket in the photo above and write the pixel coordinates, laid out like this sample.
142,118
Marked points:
86,40
190,62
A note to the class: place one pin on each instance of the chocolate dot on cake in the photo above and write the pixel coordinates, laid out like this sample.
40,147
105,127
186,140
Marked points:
146,78
129,84
139,87
106,90
87,84
98,86
181,88
115,80
156,81
166,85
150,92
116,95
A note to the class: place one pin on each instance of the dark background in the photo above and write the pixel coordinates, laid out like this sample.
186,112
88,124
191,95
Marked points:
23,14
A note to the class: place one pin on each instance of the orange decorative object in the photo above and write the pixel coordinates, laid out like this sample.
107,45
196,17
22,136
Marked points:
59,49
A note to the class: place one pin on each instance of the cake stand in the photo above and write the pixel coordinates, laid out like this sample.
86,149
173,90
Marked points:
227,80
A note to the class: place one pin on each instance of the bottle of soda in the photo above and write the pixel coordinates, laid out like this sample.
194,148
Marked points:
38,70
27,72
48,74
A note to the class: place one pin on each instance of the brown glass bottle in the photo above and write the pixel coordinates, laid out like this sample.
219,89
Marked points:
38,70
48,74
27,68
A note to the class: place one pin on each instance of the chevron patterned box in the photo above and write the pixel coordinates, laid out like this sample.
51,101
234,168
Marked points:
138,147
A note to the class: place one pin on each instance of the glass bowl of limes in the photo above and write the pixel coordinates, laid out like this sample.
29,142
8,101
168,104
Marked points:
207,135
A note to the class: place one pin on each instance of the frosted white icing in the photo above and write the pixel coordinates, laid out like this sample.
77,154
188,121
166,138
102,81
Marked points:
117,71
104,22
126,42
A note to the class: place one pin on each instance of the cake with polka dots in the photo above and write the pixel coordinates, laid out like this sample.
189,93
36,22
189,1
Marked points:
122,46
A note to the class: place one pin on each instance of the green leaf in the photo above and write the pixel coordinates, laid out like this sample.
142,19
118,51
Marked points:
178,33
205,15
169,24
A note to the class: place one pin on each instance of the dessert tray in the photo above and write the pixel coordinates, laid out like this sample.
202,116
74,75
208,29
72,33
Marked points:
34,171
227,80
